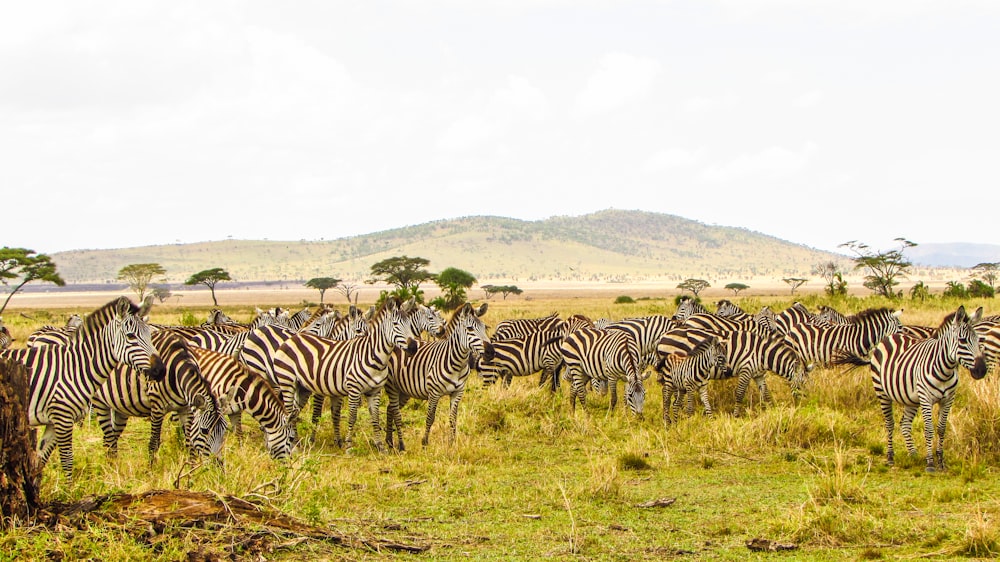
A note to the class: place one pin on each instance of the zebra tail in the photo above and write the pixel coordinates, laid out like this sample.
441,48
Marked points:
852,360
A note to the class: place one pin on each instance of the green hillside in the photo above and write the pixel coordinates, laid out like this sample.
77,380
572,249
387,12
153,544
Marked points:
607,246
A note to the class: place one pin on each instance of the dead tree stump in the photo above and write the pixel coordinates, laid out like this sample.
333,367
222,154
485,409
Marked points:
18,476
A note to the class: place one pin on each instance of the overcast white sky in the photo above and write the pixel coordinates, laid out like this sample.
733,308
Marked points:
135,123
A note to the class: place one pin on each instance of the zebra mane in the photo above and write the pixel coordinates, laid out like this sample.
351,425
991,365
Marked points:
867,314
377,317
100,317
582,317
467,307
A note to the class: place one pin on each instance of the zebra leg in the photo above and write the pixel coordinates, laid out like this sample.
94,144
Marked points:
703,393
394,410
765,394
64,439
741,393
668,394
317,408
508,377
46,445
336,404
578,389
353,403
906,428
108,427
927,412
456,398
612,383
886,405
432,404
236,424
155,430
942,424
373,403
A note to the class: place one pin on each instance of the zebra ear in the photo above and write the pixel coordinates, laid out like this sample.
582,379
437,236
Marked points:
977,316
371,312
198,402
898,313
482,309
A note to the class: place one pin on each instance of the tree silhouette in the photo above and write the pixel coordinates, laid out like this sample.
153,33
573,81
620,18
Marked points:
694,285
882,269
453,283
321,284
405,273
209,278
139,275
988,272
736,288
492,290
794,282
21,266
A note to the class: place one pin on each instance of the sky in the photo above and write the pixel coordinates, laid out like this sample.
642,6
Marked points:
137,123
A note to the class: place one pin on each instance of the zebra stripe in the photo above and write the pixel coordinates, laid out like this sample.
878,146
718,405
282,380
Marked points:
689,375
520,327
607,355
5,338
523,356
126,393
792,316
820,345
306,364
63,378
749,356
248,391
722,325
436,369
918,374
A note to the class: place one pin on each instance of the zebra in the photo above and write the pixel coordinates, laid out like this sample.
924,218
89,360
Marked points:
791,316
225,341
819,344
522,356
520,327
247,391
63,377
764,318
831,316
722,325
989,338
688,306
749,356
608,355
436,369
688,375
306,364
919,373
126,393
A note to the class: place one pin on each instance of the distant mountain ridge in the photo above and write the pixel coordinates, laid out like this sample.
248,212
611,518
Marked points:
954,255
609,246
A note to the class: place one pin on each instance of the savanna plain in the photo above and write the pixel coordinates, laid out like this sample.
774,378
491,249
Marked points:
527,478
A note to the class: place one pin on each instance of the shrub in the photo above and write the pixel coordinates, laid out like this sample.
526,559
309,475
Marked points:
624,299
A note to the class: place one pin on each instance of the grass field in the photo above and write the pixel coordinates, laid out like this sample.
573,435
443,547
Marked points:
528,478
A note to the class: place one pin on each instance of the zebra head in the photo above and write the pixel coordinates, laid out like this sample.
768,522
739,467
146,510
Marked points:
467,326
957,329
279,443
635,392
392,320
427,319
687,307
130,338
208,423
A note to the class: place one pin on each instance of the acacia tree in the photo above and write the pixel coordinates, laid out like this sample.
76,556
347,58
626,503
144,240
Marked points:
832,276
404,273
20,266
694,285
882,269
139,275
492,290
209,278
453,283
737,287
321,284
794,282
988,272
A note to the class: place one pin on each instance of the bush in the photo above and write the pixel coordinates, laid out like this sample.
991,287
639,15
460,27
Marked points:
624,299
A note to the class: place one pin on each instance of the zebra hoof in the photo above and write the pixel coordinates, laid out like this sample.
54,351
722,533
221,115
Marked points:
931,468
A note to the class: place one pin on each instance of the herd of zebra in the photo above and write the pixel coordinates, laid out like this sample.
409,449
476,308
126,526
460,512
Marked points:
118,365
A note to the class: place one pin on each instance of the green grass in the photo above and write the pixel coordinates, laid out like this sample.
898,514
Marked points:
528,478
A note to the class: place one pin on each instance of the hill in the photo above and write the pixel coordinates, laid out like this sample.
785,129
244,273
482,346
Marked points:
607,246
954,255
